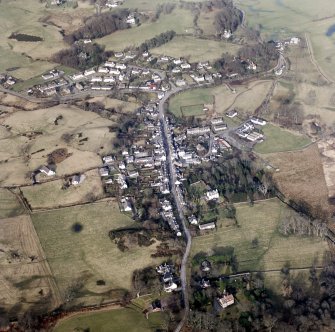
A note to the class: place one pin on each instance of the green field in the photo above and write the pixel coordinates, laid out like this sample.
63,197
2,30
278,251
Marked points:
273,250
9,205
279,140
181,21
195,49
88,255
189,98
284,18
117,320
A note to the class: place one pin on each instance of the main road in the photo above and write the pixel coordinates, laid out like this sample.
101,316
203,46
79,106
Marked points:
173,178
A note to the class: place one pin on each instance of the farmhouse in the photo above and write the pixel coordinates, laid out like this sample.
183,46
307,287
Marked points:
77,179
210,225
226,301
231,113
47,171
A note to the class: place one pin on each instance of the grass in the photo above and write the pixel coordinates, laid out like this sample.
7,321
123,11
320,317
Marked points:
9,205
279,140
89,255
181,21
273,250
117,320
196,49
178,103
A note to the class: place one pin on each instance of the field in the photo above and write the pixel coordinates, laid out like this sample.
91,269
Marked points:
273,250
9,205
246,99
300,176
286,18
29,59
39,196
116,320
181,21
87,254
195,49
30,137
279,140
25,277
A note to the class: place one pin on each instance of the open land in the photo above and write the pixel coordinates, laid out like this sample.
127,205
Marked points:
79,257
284,18
246,98
118,320
29,59
38,196
34,135
181,21
25,277
278,140
298,172
195,49
274,250
9,205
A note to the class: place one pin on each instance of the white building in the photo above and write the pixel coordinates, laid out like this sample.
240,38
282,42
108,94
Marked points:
110,64
89,72
226,301
185,65
126,204
258,121
193,220
47,171
227,34
210,225
103,70
211,195
180,83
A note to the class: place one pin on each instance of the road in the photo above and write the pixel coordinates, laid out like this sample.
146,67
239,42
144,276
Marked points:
173,178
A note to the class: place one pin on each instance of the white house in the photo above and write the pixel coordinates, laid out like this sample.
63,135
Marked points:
258,121
121,66
77,77
103,171
177,61
114,71
295,41
211,195
176,70
170,286
96,79
227,34
231,113
185,65
47,171
110,64
87,41
180,83
108,159
126,204
109,79
77,179
89,72
131,19
103,70
193,220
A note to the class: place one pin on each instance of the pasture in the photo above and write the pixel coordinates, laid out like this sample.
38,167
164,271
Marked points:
273,250
195,49
116,320
31,137
181,21
79,250
278,140
25,278
9,204
278,19
298,172
39,196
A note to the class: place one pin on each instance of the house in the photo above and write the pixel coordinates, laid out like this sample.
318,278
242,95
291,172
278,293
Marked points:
103,70
211,195
218,128
294,41
133,174
77,179
160,95
145,54
258,121
104,171
180,83
253,137
210,225
199,79
176,70
226,301
177,61
227,34
198,131
185,65
47,171
118,54
89,72
231,113
205,266
77,77
108,159
251,65
156,306
126,204
114,71
193,220
109,79
121,66
204,283
47,76
96,79
170,286
131,19
110,64
87,41
217,121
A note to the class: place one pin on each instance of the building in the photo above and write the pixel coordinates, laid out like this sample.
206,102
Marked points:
210,225
254,136
205,266
170,286
226,301
47,171
89,72
198,131
77,179
180,83
295,41
211,195
103,171
193,220
227,34
126,204
231,113
258,121
218,128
